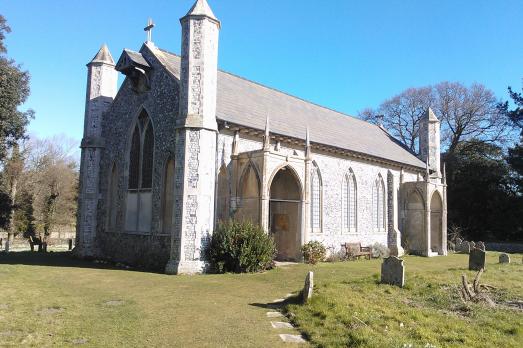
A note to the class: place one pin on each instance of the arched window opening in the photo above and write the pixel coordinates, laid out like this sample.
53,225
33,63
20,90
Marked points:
168,198
134,160
349,203
378,198
316,196
147,162
139,194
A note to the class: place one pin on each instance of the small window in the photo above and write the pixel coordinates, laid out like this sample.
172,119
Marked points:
349,203
379,204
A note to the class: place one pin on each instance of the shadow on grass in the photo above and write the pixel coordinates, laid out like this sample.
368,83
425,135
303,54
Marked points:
61,259
295,299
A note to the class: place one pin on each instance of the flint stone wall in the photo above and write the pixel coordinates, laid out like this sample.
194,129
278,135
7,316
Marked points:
161,103
333,168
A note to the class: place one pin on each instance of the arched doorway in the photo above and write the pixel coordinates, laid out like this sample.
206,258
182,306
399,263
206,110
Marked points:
435,223
414,236
285,214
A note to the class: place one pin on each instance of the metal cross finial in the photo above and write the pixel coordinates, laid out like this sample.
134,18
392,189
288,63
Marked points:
149,30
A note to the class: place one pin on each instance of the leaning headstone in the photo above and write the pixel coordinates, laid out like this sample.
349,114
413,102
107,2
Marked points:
393,271
477,259
472,245
504,258
458,242
465,247
480,245
309,286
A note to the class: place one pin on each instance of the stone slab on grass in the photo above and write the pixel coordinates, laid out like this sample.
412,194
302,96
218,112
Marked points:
292,338
274,315
281,325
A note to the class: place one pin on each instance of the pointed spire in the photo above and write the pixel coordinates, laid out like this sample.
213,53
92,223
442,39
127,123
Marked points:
429,114
201,8
267,137
103,56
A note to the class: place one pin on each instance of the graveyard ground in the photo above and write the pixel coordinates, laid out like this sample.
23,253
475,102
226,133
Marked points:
52,300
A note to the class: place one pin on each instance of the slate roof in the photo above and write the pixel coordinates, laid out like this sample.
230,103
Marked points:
247,103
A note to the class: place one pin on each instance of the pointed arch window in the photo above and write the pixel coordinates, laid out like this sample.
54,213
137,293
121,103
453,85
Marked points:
316,199
139,194
349,202
378,204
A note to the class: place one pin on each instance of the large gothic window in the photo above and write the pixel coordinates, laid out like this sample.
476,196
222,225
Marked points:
349,203
378,204
139,193
316,196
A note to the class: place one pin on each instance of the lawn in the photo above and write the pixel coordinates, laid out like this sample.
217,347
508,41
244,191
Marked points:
52,300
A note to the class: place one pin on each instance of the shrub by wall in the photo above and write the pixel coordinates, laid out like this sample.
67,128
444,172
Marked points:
238,246
313,252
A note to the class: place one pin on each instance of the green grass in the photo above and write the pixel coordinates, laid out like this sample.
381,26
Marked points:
355,310
52,300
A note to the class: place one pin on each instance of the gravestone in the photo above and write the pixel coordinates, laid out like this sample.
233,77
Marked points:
477,259
308,288
481,246
393,271
472,245
504,258
465,247
458,243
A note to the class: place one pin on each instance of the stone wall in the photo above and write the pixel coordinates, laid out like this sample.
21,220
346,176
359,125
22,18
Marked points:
333,168
161,103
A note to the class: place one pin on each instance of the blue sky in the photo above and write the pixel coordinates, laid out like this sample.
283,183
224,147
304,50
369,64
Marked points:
346,55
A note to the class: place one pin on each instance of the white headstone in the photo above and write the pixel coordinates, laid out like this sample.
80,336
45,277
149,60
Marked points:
393,271
308,288
504,258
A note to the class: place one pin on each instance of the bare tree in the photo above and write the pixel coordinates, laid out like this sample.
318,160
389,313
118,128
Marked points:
51,176
401,114
465,113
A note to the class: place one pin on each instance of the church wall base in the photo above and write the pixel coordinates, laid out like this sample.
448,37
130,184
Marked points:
145,251
175,267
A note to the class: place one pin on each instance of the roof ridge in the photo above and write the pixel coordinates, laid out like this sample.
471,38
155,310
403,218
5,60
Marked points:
284,93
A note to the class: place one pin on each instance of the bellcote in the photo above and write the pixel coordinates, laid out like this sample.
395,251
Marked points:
136,68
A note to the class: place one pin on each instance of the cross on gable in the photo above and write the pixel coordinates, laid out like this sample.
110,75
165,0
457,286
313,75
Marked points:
149,30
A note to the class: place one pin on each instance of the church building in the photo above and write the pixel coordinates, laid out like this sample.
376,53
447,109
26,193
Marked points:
182,145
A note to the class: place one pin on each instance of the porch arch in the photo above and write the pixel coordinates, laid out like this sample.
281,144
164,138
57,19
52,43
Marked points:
285,209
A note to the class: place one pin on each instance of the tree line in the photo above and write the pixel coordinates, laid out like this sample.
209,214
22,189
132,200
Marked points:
481,150
38,177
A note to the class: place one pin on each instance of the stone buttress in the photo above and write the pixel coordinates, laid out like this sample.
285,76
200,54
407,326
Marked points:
101,90
196,136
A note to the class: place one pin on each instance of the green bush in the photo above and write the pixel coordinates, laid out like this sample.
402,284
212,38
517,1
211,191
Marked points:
241,247
313,252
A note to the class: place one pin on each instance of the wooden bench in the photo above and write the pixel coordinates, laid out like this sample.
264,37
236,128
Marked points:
354,251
